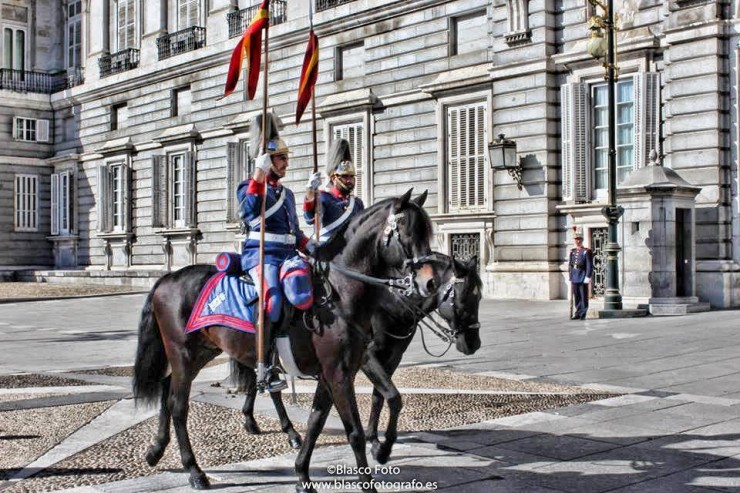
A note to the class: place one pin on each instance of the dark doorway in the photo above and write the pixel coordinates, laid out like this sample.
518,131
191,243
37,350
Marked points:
683,253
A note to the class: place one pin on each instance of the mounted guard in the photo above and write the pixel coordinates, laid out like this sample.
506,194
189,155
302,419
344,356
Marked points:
338,204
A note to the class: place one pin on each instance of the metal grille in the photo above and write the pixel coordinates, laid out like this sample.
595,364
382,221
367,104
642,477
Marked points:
36,82
599,237
464,246
240,19
329,4
116,63
183,41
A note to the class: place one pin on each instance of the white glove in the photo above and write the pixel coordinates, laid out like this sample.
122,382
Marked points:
263,162
587,280
314,181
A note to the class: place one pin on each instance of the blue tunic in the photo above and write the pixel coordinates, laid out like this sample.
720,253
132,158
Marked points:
333,207
283,222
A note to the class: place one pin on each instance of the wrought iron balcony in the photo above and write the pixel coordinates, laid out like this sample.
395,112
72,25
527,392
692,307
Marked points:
118,62
38,82
329,4
182,41
240,19
75,76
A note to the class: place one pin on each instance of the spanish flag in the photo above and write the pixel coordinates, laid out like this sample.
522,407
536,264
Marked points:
309,74
249,47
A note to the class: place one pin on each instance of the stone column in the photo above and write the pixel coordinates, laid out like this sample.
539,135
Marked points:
99,38
217,27
154,25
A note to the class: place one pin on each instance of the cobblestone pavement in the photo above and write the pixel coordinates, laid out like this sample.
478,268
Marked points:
40,290
546,405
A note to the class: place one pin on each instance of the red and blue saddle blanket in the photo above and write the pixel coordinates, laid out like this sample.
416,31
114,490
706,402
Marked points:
225,300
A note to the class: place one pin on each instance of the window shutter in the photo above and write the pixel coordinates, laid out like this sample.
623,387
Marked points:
55,209
194,17
42,130
160,182
73,194
131,24
453,151
478,156
574,104
16,133
190,190
105,221
127,192
647,116
232,180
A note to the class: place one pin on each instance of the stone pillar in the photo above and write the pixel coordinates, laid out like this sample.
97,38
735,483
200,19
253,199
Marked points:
154,25
99,20
217,27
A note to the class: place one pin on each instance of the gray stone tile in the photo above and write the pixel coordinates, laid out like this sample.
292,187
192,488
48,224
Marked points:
558,447
503,485
618,434
662,422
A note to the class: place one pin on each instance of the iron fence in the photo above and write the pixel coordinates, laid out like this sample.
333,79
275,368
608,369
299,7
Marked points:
118,62
329,4
464,246
36,82
240,19
182,41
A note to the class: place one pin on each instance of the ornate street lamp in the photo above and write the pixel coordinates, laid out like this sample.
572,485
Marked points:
502,155
603,26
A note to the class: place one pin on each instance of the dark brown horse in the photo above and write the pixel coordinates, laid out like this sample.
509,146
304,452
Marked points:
382,242
394,326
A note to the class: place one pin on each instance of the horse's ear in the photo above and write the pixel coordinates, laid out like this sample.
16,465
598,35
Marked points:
403,200
421,199
461,269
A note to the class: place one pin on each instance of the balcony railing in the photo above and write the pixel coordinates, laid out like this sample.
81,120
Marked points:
329,4
240,19
118,62
183,41
38,82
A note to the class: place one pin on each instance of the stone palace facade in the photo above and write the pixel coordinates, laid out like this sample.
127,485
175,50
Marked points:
117,158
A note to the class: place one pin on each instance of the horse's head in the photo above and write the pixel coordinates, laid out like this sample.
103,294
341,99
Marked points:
459,300
394,235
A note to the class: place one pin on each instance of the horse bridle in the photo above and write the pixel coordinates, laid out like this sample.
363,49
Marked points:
447,295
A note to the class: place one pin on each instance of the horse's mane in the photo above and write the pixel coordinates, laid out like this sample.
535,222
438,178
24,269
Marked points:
373,219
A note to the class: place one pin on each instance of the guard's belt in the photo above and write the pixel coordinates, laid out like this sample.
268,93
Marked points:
286,239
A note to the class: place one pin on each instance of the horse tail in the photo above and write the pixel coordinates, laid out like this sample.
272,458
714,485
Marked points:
151,359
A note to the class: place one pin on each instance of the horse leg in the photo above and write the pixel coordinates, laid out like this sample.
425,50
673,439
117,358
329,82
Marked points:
285,424
155,452
371,432
250,389
316,421
343,394
179,397
385,388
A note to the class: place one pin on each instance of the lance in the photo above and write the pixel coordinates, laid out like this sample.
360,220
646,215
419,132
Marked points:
261,310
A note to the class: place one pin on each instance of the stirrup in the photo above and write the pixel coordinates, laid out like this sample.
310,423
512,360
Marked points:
273,382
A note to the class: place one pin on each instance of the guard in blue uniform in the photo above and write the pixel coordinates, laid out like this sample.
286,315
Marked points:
283,236
338,204
580,269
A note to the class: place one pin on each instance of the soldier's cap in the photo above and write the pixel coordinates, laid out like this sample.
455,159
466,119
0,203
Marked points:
577,233
277,146
345,168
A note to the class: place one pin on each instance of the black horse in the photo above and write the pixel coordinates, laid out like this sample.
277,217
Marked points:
385,239
394,325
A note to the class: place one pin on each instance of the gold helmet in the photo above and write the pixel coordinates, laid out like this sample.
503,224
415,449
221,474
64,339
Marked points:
345,168
277,146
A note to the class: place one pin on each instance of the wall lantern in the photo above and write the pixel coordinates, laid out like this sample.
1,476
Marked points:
502,154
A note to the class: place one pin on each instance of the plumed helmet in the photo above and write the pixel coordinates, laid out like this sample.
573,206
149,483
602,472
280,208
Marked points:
272,135
339,159
277,146
577,232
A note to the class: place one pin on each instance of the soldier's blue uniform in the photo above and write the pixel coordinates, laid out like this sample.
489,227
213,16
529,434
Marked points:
580,268
336,210
282,238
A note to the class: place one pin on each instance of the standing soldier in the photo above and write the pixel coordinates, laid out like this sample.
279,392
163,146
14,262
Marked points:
338,205
580,268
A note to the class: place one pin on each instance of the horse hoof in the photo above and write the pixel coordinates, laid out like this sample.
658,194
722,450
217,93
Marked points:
153,457
380,453
252,428
295,442
200,482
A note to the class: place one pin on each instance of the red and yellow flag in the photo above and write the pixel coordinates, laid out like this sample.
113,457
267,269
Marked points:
309,74
249,47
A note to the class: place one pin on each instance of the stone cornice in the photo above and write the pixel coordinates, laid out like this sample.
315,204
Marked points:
117,146
354,101
178,133
458,78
